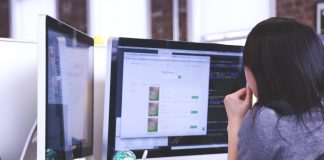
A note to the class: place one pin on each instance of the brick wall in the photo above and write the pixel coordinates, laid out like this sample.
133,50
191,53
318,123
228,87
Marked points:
161,19
183,20
302,10
74,13
4,20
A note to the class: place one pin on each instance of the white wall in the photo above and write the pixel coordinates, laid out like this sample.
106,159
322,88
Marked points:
207,17
24,17
122,18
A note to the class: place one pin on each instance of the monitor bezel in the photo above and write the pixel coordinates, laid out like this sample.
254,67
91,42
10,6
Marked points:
46,22
116,68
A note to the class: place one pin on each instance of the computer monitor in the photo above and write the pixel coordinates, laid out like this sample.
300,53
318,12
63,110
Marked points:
65,91
167,97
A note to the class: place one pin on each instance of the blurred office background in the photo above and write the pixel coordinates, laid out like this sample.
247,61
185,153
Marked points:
189,20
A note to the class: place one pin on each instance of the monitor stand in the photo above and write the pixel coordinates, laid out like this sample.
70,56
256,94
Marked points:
30,148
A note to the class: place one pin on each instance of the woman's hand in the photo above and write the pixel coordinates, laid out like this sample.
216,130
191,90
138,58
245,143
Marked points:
236,105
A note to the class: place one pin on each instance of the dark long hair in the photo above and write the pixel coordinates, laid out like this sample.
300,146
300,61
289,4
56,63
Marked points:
287,60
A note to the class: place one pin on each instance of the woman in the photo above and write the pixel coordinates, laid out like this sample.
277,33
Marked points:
284,69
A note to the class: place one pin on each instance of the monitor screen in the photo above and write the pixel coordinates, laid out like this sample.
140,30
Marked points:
167,97
69,92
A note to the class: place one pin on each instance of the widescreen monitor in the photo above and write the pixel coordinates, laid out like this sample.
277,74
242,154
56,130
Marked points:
167,97
65,91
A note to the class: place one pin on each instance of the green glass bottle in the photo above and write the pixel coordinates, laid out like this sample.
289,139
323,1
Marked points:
124,155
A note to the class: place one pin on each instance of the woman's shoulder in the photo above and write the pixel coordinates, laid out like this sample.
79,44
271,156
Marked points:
266,120
257,135
261,117
264,113
279,136
260,123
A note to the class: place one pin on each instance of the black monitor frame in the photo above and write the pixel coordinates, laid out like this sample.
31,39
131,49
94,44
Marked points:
53,24
115,88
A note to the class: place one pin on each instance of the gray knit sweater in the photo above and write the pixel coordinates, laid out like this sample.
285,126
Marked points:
271,137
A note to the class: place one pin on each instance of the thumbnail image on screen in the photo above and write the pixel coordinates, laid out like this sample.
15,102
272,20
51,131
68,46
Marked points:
69,109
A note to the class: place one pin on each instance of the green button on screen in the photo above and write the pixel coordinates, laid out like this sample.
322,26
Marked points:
193,126
195,97
194,112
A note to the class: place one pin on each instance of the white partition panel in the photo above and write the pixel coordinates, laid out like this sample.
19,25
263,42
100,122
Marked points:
18,72
100,73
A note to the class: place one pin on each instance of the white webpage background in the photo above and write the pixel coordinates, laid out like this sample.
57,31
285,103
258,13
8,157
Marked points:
178,79
74,64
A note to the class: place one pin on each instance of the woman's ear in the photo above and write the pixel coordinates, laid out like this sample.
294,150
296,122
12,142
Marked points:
250,80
